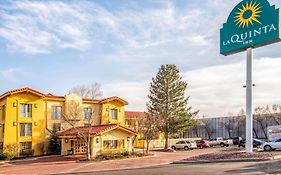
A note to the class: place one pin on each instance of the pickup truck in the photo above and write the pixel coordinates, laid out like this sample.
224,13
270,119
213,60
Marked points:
220,141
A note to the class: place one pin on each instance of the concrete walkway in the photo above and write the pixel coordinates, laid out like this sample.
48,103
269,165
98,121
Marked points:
60,164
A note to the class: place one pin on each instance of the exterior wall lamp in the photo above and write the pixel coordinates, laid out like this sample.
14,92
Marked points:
66,140
15,104
36,105
15,124
35,123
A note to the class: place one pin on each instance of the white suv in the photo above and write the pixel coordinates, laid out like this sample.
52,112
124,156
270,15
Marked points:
267,146
184,145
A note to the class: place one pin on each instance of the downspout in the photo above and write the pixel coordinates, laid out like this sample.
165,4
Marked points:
17,128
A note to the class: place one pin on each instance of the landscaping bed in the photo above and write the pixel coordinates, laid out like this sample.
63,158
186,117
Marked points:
114,156
231,155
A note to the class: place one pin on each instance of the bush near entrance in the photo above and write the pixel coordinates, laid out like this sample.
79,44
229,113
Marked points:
123,155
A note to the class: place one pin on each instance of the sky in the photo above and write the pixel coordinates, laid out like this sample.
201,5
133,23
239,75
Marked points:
52,46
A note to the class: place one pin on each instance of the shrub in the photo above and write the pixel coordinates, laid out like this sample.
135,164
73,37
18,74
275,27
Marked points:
3,156
27,152
126,154
54,146
10,151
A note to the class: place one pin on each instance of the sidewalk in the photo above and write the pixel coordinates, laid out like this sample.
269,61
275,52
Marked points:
66,165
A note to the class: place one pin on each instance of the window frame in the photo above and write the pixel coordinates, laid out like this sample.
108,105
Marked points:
24,132
24,147
56,114
111,114
87,113
25,110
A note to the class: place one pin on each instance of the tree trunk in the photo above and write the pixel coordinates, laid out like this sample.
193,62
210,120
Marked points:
166,140
263,129
88,151
147,146
255,132
229,133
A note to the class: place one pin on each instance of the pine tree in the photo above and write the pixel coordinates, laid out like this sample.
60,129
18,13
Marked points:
167,99
54,146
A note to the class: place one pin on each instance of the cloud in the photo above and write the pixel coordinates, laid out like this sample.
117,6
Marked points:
40,27
215,90
43,26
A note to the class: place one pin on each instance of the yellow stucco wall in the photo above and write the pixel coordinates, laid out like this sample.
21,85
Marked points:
13,121
106,116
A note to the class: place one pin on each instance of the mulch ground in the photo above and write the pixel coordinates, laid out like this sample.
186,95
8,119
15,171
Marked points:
233,153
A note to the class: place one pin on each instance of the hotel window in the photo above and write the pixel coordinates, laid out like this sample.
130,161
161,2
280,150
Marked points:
26,129
25,145
110,144
3,112
113,113
26,110
87,113
56,112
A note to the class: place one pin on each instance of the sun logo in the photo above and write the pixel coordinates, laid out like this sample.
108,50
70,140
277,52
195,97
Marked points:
248,14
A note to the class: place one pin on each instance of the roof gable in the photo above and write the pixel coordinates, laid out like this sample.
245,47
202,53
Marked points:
106,100
16,91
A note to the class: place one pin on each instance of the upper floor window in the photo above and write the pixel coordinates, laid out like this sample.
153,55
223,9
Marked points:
25,129
56,112
113,113
26,110
87,113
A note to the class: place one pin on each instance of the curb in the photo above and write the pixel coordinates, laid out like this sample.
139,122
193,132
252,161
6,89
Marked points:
276,157
222,161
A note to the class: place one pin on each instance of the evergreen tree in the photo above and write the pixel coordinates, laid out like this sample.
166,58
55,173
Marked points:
54,146
167,99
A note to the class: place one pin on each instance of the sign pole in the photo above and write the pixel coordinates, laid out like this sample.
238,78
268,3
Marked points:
249,102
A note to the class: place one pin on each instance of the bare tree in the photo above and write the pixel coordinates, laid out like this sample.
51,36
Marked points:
197,127
241,122
91,91
75,117
207,125
274,113
150,126
261,118
229,125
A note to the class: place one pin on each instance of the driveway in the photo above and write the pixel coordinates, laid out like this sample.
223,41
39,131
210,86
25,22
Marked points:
230,168
67,165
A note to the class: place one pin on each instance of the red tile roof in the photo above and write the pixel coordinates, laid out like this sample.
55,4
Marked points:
94,130
133,114
112,99
26,89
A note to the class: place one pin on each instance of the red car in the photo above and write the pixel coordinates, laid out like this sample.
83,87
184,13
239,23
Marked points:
202,144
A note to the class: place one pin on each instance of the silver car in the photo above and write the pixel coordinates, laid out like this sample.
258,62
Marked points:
184,145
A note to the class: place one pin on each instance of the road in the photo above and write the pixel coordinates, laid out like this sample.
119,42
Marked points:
268,167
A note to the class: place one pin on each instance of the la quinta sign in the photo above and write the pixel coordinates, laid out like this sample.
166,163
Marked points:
252,23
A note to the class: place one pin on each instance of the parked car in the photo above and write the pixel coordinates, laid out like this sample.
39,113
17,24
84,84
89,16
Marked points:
267,146
236,140
202,144
256,143
184,145
220,141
